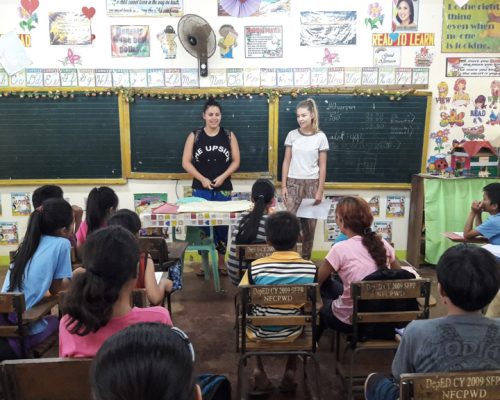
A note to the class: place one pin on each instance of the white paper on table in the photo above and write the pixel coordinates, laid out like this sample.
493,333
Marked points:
319,211
13,55
461,234
158,276
493,249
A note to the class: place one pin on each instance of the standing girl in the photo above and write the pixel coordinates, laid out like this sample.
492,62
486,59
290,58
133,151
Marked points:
363,253
211,155
42,263
250,227
98,304
304,168
101,203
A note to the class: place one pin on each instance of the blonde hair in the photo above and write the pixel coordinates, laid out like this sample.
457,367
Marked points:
310,105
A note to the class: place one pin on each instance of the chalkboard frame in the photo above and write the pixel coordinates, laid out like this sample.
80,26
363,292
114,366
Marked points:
183,95
62,94
372,91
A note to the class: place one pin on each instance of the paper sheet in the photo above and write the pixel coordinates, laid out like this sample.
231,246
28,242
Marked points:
13,55
319,211
158,276
493,249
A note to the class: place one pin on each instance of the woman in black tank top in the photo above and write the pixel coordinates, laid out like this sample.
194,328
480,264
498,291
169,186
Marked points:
211,154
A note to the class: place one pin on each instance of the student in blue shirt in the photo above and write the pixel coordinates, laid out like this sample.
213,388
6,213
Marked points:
490,229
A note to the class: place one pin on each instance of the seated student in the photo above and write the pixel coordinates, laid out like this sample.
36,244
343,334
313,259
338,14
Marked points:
146,276
490,229
354,259
250,226
98,303
55,192
284,266
42,263
464,340
145,361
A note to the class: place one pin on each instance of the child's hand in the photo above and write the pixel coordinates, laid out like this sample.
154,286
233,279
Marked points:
284,193
206,183
477,206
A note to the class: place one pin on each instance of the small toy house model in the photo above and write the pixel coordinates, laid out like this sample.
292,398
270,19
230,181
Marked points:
476,157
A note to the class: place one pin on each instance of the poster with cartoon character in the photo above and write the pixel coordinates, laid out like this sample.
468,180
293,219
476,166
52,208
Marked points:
167,41
227,40
8,234
21,204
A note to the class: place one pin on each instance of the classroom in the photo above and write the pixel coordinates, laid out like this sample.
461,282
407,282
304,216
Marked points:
98,93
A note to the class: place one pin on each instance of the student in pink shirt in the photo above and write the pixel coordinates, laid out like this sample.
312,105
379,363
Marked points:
363,253
98,304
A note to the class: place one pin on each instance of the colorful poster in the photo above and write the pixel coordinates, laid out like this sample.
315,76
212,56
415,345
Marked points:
69,28
472,28
473,66
130,40
387,56
8,234
253,8
264,41
375,205
384,229
402,39
395,207
148,200
331,229
21,204
405,15
144,8
327,28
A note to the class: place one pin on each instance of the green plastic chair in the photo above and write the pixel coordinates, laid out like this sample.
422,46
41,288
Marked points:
205,244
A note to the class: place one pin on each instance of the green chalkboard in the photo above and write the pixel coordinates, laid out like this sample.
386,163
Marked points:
159,128
372,139
68,138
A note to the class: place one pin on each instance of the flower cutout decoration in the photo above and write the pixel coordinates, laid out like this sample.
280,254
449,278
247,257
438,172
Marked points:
27,14
375,16
440,137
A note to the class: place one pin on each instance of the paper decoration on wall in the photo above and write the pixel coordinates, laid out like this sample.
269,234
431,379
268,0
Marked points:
328,28
474,133
130,40
460,97
89,12
442,98
167,41
28,15
495,94
389,56
473,66
227,41
329,57
471,28
494,119
21,204
395,207
144,8
254,8
143,201
440,137
405,14
375,16
69,29
375,205
25,39
384,229
479,111
452,119
437,164
264,41
423,57
402,39
13,56
8,234
71,59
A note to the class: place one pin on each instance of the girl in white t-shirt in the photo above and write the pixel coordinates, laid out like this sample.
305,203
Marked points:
304,167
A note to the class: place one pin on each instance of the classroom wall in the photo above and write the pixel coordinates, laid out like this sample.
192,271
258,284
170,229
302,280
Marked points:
428,63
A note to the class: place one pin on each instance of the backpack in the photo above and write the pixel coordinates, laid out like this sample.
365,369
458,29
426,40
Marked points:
214,387
385,331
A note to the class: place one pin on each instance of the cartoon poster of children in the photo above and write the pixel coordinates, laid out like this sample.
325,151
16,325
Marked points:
375,205
479,109
167,41
8,234
384,229
227,40
460,97
21,204
395,207
442,98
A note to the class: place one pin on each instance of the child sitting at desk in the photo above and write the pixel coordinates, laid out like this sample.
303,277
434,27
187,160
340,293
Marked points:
146,277
283,267
490,229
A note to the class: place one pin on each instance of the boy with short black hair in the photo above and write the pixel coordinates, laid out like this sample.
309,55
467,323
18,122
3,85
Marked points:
490,229
463,340
284,266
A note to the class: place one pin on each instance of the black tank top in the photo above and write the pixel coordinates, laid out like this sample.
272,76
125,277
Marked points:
211,157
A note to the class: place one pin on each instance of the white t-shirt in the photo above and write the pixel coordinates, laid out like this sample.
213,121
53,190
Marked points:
305,154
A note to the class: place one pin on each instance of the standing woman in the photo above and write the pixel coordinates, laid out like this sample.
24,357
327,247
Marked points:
211,155
304,168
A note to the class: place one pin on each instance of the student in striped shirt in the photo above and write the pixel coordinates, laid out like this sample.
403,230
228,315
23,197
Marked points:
284,266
